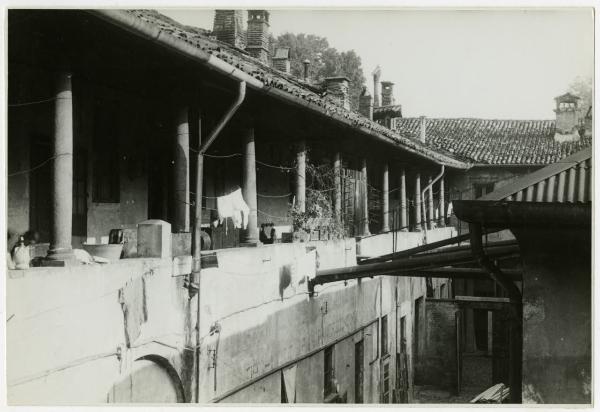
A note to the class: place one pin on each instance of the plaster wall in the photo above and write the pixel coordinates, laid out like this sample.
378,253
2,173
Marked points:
383,243
557,318
256,298
77,314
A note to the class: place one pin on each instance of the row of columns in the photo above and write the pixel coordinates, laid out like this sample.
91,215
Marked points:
60,242
181,185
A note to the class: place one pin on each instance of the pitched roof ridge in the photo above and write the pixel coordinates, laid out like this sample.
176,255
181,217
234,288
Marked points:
479,119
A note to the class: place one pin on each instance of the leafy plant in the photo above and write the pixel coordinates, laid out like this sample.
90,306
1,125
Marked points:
319,213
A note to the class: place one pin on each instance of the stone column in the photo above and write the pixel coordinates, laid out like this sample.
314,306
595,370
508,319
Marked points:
431,216
62,168
250,235
365,217
301,175
337,181
418,202
403,205
385,199
181,173
442,204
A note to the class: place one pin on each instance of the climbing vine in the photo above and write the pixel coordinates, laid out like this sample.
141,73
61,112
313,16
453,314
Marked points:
319,213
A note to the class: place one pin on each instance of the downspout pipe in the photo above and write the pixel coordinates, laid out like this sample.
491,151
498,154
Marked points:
428,187
194,286
515,296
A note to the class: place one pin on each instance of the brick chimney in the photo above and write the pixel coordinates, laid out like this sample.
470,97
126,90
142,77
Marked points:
257,38
228,27
567,112
387,94
281,59
338,90
423,129
365,104
376,76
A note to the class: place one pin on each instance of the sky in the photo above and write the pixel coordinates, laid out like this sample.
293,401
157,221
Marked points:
501,64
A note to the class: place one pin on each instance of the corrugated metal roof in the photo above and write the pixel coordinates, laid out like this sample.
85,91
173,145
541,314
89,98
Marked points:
566,181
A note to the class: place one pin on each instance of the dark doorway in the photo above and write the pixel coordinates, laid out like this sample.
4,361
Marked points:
40,185
480,320
359,371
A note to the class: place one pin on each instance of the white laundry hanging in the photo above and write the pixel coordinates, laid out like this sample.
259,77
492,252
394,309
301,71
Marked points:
233,206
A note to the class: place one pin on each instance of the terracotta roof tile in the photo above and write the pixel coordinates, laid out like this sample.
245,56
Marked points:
499,142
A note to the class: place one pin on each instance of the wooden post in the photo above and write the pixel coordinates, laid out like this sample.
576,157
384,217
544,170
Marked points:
431,217
442,204
337,181
403,205
249,189
365,217
301,175
418,202
385,199
62,191
181,173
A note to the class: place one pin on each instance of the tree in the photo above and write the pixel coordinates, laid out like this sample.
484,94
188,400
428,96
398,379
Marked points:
583,87
325,61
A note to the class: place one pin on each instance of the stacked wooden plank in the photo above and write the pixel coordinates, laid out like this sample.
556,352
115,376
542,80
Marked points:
496,394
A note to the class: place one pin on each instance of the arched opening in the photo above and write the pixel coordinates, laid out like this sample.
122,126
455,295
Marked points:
151,380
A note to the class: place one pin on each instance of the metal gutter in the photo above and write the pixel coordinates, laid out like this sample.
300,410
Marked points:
507,214
152,33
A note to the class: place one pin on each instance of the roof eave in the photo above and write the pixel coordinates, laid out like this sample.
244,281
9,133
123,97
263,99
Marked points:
136,26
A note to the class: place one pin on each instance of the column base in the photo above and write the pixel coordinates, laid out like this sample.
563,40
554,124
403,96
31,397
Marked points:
60,257
250,243
385,230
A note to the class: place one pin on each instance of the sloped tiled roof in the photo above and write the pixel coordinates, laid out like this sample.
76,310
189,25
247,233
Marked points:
273,79
495,142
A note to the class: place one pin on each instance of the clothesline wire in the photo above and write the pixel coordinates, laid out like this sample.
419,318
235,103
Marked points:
241,154
30,103
38,165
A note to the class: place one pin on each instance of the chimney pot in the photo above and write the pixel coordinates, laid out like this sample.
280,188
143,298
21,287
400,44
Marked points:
365,105
306,63
338,90
281,59
376,76
567,113
423,129
257,36
228,27
387,94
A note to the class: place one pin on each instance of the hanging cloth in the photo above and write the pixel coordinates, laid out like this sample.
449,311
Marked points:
233,206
